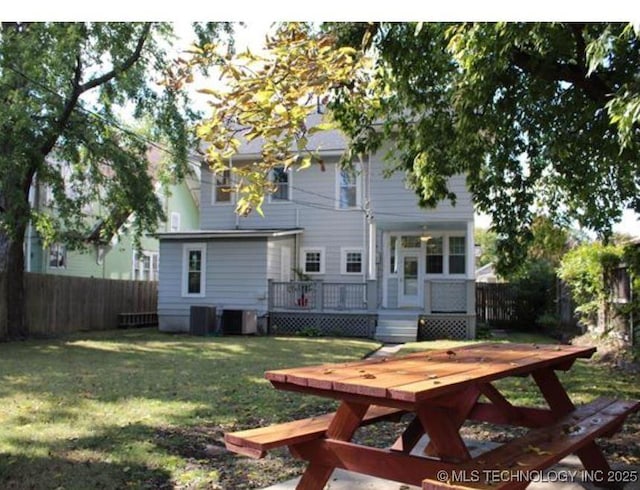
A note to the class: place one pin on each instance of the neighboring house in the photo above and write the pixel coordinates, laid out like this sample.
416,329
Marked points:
375,263
116,258
486,273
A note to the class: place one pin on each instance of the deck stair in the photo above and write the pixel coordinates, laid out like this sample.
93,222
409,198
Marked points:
397,328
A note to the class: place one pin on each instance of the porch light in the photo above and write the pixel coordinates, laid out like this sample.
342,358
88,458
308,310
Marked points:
424,236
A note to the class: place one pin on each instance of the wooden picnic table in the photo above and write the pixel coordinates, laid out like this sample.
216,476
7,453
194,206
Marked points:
442,389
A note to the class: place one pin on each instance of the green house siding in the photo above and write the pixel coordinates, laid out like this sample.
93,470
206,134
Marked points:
117,259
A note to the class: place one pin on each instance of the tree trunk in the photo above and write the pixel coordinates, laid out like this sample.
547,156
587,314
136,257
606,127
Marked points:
14,291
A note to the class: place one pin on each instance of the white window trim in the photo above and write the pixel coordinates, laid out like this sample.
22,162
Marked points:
358,176
289,193
303,261
343,260
423,252
174,221
445,257
186,248
466,253
214,188
65,256
154,257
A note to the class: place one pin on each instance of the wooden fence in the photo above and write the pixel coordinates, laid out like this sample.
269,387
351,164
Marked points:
507,305
496,304
58,304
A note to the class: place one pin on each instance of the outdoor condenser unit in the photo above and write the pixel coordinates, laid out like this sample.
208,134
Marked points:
202,320
239,322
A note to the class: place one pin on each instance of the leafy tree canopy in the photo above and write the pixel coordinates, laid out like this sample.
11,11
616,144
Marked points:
63,86
270,97
541,117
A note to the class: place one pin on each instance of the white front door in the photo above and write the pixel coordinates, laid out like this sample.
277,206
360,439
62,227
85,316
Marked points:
409,280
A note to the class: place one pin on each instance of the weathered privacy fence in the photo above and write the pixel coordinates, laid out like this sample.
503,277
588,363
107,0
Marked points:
59,304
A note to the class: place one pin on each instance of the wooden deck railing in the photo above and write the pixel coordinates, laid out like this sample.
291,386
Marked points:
317,296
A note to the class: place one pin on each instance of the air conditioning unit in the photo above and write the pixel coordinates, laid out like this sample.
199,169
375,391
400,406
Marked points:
202,320
239,322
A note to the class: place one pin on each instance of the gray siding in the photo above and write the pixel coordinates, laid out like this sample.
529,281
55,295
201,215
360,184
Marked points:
392,201
236,278
312,207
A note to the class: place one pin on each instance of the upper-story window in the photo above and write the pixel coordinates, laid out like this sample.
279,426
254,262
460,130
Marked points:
281,177
222,191
174,223
348,188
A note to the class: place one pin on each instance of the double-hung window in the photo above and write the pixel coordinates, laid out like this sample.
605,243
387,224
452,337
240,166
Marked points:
145,266
194,259
457,255
435,256
351,261
57,256
280,178
348,188
313,260
222,191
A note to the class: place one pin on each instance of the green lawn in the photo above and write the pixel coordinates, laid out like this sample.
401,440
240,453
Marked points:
140,409
585,381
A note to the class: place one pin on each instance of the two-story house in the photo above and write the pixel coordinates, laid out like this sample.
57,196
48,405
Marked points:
113,257
338,252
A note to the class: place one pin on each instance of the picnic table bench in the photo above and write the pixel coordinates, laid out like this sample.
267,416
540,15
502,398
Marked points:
441,389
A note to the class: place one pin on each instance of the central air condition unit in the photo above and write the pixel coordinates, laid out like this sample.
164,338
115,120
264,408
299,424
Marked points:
239,322
202,320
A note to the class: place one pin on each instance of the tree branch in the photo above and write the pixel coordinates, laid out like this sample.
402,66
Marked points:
79,89
593,86
581,48
128,63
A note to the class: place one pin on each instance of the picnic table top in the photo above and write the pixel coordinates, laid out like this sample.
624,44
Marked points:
426,375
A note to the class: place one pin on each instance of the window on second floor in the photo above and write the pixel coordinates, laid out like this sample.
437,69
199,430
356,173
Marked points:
222,190
57,256
280,177
348,188
174,224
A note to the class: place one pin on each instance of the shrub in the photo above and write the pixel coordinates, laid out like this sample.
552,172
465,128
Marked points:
587,270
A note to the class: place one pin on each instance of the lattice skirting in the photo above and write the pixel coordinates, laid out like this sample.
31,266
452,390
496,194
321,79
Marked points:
325,324
433,327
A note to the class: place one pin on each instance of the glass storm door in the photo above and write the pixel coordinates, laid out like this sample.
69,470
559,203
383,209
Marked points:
410,289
